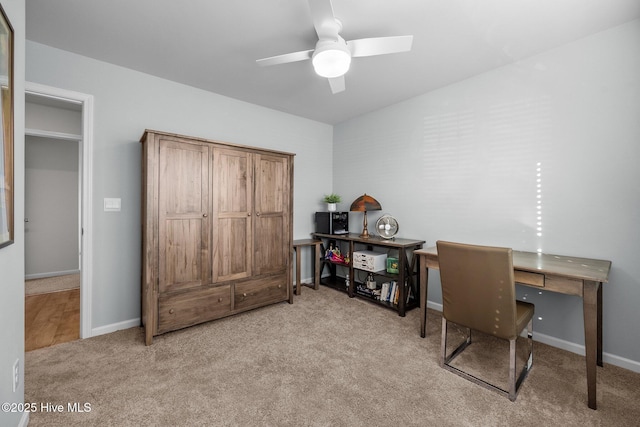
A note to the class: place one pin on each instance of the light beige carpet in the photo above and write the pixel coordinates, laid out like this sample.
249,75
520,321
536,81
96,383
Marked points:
52,284
326,360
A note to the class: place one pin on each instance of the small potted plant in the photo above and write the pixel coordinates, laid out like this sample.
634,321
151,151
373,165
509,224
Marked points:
331,200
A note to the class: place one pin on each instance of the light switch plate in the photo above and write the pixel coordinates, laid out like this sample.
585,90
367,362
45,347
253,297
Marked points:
112,205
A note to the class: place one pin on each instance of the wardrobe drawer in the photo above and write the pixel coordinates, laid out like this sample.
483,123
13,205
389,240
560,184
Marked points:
196,306
256,292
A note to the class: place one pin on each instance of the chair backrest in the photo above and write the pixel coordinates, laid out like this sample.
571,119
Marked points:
478,287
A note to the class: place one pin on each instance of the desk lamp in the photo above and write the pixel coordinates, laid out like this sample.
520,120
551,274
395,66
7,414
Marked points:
365,203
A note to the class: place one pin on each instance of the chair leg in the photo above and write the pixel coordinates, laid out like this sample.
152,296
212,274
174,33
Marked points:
514,382
443,342
514,385
444,359
512,369
530,341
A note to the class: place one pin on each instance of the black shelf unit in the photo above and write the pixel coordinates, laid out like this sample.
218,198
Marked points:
402,249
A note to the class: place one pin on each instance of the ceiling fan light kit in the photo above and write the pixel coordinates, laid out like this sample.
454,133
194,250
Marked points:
331,58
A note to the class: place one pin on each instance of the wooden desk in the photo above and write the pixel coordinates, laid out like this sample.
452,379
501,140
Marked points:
566,275
297,244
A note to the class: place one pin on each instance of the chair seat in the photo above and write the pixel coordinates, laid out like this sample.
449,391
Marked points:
524,313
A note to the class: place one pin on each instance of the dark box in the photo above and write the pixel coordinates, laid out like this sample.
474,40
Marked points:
332,222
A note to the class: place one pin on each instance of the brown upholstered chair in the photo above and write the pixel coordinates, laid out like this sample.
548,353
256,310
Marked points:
478,292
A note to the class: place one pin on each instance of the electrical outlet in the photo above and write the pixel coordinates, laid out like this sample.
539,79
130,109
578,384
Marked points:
16,375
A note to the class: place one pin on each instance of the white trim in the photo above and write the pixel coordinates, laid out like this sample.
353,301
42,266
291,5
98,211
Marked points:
24,420
66,96
50,274
434,306
54,135
107,329
613,359
79,207
86,231
621,362
87,216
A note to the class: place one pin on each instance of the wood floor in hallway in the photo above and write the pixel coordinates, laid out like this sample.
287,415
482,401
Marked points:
51,318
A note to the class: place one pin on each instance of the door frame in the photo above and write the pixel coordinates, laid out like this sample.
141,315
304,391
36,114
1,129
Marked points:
86,181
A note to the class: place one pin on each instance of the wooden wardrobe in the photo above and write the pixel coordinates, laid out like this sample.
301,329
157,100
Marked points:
217,224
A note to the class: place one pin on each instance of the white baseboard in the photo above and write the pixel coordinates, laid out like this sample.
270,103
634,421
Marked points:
613,359
107,329
622,362
434,306
304,280
24,420
50,274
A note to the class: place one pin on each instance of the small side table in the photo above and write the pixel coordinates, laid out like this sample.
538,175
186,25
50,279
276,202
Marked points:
316,262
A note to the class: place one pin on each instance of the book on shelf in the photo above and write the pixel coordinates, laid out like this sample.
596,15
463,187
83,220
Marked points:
384,291
394,291
363,290
388,291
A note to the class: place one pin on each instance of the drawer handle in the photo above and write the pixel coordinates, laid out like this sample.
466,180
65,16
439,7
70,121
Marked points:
279,286
171,311
204,215
219,299
244,295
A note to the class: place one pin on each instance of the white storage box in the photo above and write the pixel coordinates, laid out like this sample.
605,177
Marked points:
369,260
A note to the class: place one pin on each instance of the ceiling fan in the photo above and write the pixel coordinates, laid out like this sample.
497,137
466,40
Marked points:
332,55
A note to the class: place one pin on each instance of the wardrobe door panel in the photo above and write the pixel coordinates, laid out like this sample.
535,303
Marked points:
183,200
271,239
270,254
232,256
232,214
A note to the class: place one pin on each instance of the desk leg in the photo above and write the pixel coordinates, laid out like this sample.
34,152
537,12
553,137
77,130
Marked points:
592,335
316,263
424,280
600,325
298,280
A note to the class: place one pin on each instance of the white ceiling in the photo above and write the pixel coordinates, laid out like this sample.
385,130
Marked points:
213,44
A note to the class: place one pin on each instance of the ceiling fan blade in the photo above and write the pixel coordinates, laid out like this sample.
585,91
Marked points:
337,84
287,57
323,19
380,45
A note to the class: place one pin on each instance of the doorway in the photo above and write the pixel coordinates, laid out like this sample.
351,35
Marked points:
52,229
59,135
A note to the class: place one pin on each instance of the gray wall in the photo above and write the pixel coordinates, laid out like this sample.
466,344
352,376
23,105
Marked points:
51,205
460,163
52,119
126,102
12,257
